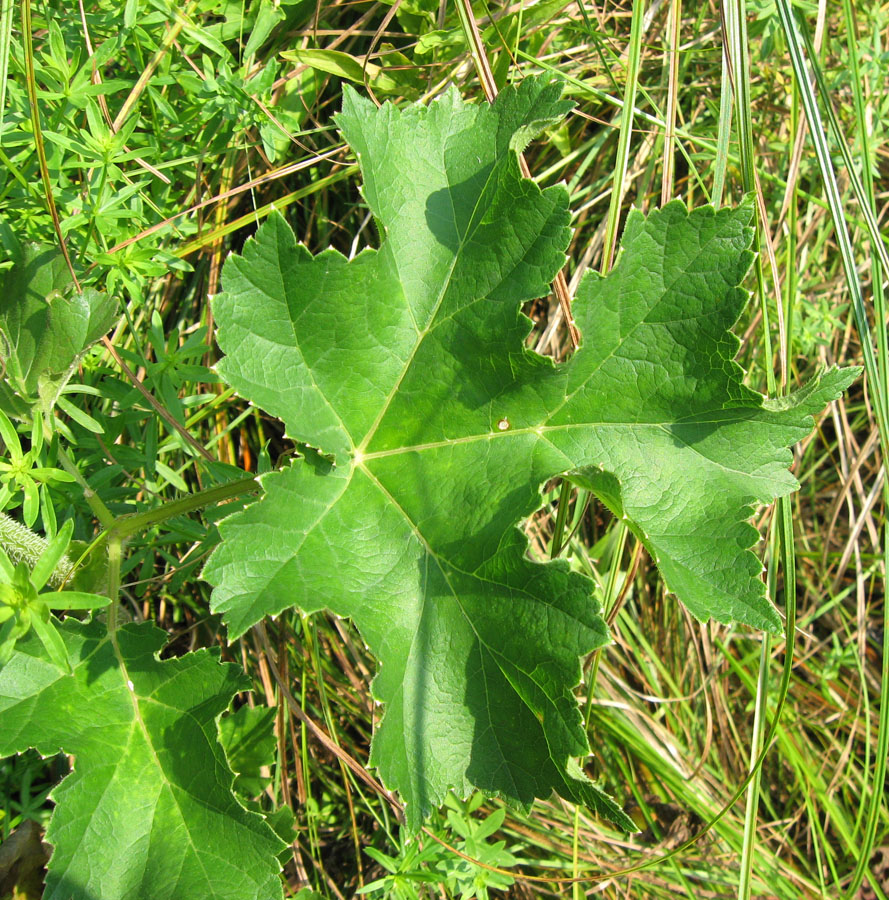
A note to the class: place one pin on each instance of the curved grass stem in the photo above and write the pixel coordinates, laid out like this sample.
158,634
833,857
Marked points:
876,369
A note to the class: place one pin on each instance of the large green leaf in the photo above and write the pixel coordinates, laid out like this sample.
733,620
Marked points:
148,811
45,325
406,368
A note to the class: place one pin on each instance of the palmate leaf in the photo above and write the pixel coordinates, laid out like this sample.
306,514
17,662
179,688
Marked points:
406,368
148,810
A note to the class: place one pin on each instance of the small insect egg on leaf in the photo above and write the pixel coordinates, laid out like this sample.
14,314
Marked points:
503,424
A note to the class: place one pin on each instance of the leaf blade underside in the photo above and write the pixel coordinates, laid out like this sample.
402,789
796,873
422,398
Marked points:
45,327
407,366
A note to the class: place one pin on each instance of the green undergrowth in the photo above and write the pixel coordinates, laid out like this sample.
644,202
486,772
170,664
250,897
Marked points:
169,134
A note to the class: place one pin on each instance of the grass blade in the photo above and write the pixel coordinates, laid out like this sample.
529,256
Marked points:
874,370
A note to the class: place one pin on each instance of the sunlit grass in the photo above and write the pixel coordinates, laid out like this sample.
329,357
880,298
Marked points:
663,110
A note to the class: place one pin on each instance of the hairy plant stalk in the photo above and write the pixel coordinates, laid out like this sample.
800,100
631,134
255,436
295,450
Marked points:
23,545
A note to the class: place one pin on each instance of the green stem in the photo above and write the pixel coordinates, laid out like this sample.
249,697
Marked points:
876,371
608,604
561,519
738,65
118,529
780,698
634,57
752,806
126,526
100,511
115,553
723,133
31,84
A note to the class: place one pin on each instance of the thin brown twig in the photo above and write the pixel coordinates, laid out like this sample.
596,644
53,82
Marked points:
489,85
674,24
317,731
373,43
153,402
225,195
153,63
96,78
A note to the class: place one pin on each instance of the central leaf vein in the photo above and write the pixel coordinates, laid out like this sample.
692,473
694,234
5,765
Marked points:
422,334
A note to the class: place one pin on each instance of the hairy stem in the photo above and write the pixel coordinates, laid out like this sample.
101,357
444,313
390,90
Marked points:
23,545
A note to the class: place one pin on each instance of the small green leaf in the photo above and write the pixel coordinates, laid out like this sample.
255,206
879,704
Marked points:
45,473
31,506
79,416
21,581
52,556
52,641
267,18
7,642
7,569
343,65
7,429
74,600
10,633
387,862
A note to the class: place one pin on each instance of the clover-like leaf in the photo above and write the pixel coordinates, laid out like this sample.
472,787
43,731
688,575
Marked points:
148,810
407,368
